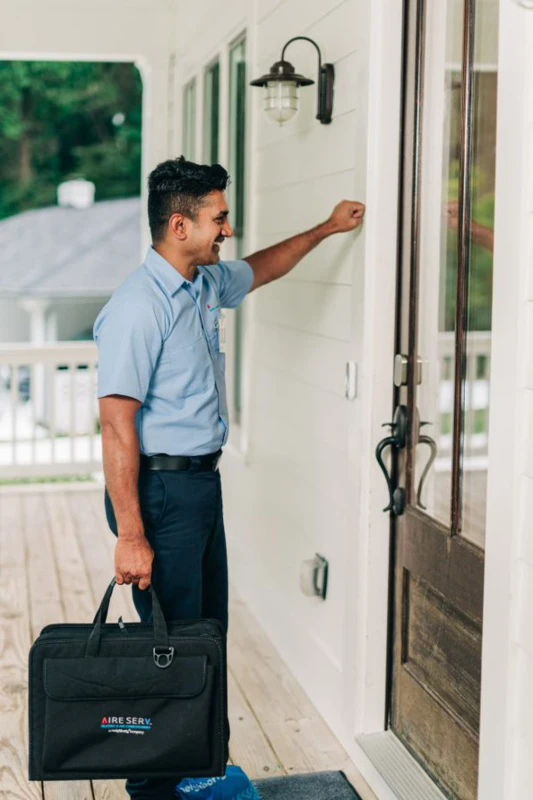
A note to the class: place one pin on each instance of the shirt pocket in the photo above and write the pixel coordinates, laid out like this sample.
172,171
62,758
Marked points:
186,367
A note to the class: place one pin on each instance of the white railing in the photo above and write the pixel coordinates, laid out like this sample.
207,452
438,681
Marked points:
477,393
48,410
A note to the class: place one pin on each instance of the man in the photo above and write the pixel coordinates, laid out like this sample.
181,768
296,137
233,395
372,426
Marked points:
163,409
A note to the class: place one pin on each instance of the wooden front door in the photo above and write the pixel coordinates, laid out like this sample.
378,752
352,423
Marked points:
439,439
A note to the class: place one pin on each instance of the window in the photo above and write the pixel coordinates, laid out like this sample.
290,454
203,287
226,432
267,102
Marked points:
212,113
236,167
189,121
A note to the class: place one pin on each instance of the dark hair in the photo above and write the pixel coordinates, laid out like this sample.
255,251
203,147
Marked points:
178,186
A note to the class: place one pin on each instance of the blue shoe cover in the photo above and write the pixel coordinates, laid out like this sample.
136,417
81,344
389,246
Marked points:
233,786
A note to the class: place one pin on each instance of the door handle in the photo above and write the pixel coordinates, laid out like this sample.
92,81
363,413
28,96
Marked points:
396,440
432,444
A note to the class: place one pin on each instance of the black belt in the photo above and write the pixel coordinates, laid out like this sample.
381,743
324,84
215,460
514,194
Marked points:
162,461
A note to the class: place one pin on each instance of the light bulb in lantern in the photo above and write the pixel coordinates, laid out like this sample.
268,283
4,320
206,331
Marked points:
281,100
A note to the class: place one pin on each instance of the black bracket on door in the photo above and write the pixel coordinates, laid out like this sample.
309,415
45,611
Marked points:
432,444
398,440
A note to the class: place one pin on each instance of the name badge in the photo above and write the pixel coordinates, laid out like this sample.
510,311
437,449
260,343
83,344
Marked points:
221,327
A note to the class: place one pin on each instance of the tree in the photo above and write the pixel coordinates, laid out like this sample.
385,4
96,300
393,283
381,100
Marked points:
60,120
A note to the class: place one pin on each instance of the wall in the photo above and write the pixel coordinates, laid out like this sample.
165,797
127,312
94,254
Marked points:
76,318
73,319
14,325
305,480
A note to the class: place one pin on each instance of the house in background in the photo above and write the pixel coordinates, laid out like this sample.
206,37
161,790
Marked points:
420,657
59,265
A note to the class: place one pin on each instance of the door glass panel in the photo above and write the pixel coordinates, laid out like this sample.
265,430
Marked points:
439,195
479,320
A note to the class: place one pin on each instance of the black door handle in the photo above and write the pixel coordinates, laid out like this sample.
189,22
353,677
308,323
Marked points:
397,440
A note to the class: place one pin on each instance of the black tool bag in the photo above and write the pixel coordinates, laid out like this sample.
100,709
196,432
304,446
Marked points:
134,700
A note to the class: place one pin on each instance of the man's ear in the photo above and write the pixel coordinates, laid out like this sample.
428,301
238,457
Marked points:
179,226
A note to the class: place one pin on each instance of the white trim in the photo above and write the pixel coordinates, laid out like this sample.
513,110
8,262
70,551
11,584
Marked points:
505,435
370,566
239,31
46,55
250,238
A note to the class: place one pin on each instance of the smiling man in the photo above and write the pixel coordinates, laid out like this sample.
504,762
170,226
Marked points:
163,410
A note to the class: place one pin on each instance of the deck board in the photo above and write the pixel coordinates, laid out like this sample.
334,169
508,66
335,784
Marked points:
56,559
15,641
47,603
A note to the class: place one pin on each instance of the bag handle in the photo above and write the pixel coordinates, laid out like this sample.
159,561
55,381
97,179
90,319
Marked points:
158,622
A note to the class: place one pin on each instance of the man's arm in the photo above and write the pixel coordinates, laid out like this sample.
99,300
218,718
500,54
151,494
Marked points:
274,262
120,443
480,235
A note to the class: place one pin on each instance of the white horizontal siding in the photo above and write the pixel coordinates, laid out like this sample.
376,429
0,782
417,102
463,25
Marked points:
282,212
322,150
321,415
296,491
282,445
288,351
333,262
201,30
322,21
303,495
314,308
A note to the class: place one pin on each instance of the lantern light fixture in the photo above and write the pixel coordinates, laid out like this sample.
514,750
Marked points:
282,84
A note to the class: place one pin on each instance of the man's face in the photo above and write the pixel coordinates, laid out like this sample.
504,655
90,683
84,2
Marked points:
209,230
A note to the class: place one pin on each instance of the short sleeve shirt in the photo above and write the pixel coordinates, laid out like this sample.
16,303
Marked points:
158,342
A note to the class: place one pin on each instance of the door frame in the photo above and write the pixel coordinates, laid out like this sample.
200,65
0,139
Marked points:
383,170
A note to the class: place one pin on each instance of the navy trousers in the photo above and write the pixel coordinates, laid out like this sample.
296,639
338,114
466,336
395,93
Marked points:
183,518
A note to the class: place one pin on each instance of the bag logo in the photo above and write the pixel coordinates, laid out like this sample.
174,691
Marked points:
128,725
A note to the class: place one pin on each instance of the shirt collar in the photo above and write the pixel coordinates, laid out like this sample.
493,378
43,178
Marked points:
164,272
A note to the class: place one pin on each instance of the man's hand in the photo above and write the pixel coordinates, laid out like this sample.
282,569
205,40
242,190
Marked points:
133,561
346,216
276,261
452,214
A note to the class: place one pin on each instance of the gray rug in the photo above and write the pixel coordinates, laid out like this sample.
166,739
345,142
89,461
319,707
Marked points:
315,786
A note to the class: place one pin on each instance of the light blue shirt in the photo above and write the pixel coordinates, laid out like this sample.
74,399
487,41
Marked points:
158,342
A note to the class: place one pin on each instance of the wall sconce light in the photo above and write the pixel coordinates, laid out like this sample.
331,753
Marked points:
282,83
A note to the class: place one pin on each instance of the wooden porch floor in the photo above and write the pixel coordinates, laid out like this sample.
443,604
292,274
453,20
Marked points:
56,557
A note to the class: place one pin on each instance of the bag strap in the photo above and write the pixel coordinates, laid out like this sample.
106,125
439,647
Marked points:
158,622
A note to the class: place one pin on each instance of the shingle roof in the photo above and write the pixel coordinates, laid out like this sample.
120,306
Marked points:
66,252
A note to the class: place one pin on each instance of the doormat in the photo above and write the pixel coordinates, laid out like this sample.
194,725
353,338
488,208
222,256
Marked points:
314,786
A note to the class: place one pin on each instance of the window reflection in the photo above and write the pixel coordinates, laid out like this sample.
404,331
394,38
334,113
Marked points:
439,222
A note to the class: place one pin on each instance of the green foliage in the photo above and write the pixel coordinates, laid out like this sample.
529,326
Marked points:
479,287
56,123
481,259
